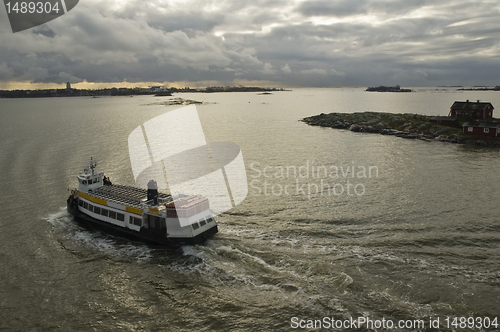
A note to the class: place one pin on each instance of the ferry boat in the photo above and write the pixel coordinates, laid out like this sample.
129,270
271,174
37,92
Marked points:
146,214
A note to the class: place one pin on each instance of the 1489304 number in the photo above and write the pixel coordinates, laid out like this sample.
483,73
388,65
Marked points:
32,7
471,322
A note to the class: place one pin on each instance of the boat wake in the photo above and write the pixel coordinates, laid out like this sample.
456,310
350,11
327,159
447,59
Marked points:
75,238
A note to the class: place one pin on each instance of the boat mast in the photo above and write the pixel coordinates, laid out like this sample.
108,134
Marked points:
93,164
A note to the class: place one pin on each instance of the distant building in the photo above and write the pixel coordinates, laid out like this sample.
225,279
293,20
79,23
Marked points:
491,129
68,87
474,110
478,112
158,88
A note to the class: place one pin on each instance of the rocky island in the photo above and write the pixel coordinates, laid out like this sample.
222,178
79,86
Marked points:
410,126
383,88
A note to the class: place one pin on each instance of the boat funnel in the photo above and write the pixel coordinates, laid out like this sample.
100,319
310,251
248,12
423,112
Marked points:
153,192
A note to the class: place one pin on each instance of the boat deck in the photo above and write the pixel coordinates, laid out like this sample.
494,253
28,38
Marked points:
127,195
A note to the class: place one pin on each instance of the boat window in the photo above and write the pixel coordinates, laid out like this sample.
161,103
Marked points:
155,222
195,225
135,221
112,214
85,205
470,128
120,216
84,181
130,220
80,181
202,222
486,130
91,208
104,212
97,210
211,219
80,202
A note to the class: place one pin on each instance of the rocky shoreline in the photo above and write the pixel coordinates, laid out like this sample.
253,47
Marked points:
410,126
180,101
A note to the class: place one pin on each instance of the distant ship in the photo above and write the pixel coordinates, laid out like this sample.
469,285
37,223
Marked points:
143,214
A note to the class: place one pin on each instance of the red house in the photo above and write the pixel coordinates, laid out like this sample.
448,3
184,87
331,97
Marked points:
491,129
475,110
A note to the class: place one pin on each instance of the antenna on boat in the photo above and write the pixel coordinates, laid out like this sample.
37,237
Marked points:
93,164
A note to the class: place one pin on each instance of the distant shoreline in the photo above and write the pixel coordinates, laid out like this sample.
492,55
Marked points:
497,88
70,92
410,126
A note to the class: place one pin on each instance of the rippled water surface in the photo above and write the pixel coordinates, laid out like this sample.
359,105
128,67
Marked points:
414,233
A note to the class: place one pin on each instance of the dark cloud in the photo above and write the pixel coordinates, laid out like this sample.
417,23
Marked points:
338,8
309,43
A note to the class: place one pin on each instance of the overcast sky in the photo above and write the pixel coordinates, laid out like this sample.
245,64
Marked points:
268,43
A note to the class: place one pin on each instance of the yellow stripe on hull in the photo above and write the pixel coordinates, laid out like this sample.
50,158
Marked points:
133,210
92,199
154,211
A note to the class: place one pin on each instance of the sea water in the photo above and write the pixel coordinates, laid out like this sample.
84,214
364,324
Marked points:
417,238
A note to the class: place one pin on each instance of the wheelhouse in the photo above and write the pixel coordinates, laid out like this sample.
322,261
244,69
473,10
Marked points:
89,181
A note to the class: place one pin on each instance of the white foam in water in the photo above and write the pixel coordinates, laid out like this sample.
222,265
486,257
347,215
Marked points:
198,259
193,260
109,246
191,251
244,232
63,221
235,265
60,218
254,258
